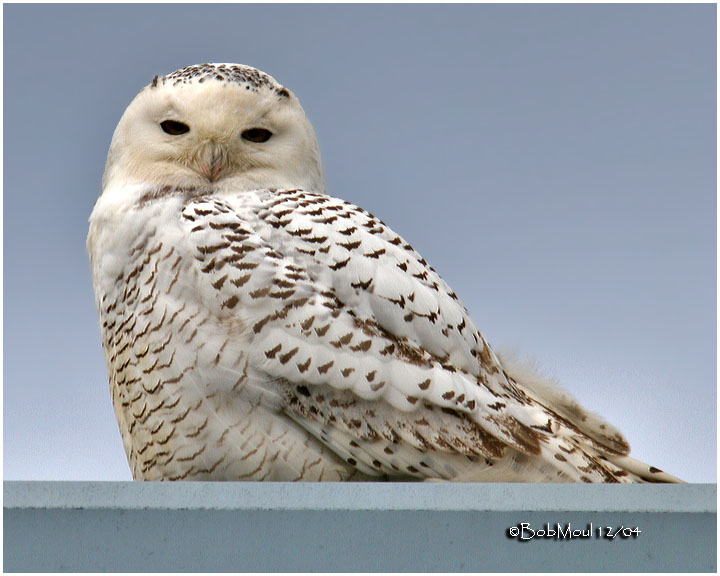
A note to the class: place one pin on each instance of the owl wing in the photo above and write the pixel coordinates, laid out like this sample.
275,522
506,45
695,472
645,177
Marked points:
366,345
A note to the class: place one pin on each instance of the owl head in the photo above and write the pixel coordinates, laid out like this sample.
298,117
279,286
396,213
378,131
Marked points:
214,127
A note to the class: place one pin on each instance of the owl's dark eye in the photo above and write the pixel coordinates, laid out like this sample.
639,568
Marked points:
174,128
257,135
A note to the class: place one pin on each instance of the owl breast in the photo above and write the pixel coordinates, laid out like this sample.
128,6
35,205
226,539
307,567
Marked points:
189,404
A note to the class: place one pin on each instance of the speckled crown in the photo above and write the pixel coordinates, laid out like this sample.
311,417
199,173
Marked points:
250,78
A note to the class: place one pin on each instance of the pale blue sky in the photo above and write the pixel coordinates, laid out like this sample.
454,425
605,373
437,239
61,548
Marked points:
556,164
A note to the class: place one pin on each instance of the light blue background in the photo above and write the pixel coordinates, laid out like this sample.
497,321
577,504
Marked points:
556,164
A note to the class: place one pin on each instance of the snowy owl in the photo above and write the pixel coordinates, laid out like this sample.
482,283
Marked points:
256,328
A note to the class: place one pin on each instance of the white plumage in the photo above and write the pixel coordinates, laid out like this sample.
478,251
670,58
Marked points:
257,328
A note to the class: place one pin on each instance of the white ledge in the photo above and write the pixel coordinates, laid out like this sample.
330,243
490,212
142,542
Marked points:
124,526
361,496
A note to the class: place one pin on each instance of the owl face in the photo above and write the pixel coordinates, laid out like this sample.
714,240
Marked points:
215,133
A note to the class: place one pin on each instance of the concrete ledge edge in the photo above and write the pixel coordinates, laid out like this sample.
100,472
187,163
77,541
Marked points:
685,498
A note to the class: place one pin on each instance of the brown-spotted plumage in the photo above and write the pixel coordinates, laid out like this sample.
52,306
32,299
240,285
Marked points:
257,328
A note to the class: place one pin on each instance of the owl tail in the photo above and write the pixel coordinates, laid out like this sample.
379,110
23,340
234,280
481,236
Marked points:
608,441
643,472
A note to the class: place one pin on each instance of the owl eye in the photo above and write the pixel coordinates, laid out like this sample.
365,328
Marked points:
257,135
174,128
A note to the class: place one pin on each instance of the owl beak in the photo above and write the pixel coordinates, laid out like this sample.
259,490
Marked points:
213,166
